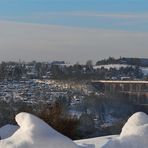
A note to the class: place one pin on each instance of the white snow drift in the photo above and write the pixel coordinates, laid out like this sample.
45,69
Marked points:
7,131
134,134
34,133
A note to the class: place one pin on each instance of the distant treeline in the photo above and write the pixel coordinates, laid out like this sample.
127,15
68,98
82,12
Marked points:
60,70
123,60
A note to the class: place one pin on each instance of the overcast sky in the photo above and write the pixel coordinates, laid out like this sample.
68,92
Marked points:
72,30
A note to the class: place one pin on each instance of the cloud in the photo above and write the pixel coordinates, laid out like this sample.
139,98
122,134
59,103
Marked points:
117,21
89,14
50,42
95,14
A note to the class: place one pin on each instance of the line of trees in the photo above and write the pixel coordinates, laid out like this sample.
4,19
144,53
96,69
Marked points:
40,70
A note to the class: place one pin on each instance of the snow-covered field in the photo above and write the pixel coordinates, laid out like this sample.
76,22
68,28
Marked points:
116,66
35,133
95,142
144,70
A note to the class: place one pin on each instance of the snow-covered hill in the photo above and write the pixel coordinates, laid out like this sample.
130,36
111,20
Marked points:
118,66
35,133
108,66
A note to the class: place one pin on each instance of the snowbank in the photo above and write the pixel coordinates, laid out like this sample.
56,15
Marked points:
7,131
34,133
95,142
134,134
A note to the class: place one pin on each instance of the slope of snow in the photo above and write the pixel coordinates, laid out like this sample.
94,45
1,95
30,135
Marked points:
95,142
34,133
108,66
134,123
7,131
134,134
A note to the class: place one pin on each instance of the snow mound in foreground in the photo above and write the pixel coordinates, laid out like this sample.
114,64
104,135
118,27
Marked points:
134,134
35,133
7,131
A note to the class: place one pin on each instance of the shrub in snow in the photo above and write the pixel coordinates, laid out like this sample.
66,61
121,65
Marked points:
134,134
87,125
64,123
35,133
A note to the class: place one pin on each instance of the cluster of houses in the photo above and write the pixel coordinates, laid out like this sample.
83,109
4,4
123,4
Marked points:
33,91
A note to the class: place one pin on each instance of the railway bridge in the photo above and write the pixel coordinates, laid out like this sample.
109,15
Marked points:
135,91
133,87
